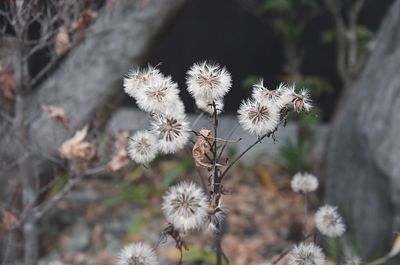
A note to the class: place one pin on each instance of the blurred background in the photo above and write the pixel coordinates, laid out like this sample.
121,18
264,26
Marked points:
61,69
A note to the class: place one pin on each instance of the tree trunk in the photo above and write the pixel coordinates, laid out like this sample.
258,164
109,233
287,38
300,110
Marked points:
363,169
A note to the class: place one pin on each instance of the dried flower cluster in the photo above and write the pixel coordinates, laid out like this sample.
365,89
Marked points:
186,206
159,96
266,109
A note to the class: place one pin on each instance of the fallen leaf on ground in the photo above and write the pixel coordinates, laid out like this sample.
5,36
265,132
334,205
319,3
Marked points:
56,113
83,21
76,148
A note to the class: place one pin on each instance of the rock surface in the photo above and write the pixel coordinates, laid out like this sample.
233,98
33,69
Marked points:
363,169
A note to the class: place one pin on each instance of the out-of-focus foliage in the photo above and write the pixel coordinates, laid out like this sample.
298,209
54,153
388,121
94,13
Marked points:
364,36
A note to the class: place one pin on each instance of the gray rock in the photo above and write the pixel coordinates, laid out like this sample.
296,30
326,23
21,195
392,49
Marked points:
363,164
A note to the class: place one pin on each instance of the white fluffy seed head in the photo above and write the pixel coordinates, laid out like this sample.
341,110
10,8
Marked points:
138,79
264,95
137,254
185,206
207,105
258,118
329,222
172,131
142,147
159,95
208,81
304,182
306,254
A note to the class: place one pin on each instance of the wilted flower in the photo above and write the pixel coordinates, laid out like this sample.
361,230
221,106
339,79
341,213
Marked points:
292,100
207,105
142,147
329,222
159,95
137,254
185,206
208,81
139,79
306,254
302,101
172,131
258,118
304,182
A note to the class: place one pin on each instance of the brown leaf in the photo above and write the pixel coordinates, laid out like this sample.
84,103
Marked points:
7,82
8,221
76,148
62,41
120,158
56,113
202,145
84,21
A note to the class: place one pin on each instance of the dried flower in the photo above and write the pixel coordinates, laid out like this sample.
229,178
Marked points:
160,95
258,118
142,147
207,105
207,81
306,254
185,206
216,218
172,131
139,79
329,222
304,182
292,100
137,254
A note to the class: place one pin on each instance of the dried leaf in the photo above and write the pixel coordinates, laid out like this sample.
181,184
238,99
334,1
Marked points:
202,145
7,82
84,21
76,148
120,158
62,41
8,221
57,114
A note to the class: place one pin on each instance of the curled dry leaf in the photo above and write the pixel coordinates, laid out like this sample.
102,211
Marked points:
8,221
62,41
201,147
7,82
56,113
120,158
76,148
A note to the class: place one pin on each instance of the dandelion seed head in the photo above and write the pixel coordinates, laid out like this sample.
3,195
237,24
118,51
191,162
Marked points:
208,81
302,101
304,182
306,254
329,222
207,105
142,147
172,131
185,206
137,254
159,95
264,95
257,118
140,78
